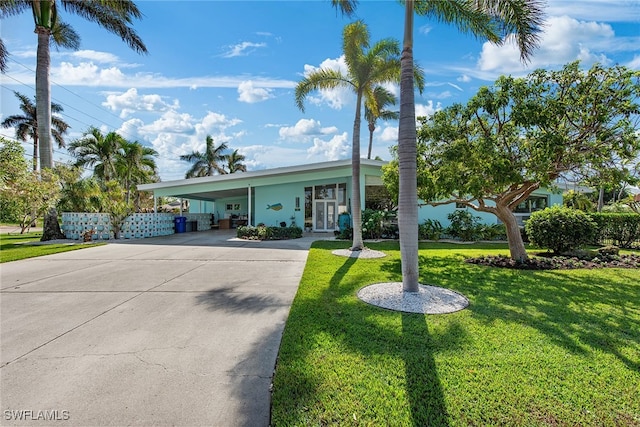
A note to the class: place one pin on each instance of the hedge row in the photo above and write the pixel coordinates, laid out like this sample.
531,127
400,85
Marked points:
620,229
262,232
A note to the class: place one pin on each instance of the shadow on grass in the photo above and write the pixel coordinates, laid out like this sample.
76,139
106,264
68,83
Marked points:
583,311
334,317
424,390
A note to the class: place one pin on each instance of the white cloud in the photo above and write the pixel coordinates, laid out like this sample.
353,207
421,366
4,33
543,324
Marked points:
464,78
250,94
130,130
634,64
427,110
93,55
389,134
213,121
171,122
563,40
596,10
335,98
425,29
130,102
87,74
304,129
91,75
336,148
242,49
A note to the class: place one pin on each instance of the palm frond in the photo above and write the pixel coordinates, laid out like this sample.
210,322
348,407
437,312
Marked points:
323,78
346,7
520,19
112,15
63,35
466,15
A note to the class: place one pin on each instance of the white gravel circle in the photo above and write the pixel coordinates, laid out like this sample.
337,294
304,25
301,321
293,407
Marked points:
365,253
428,299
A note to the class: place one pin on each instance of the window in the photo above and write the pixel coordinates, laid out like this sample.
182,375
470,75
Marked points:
532,204
308,204
229,207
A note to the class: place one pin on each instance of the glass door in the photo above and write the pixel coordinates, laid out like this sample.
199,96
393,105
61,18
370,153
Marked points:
324,215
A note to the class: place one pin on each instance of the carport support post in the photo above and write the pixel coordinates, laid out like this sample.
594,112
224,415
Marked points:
155,204
249,206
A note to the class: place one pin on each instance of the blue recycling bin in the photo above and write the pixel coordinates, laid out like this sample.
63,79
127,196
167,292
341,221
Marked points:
344,221
181,224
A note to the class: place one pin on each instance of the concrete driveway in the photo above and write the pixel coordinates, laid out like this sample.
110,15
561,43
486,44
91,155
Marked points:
178,330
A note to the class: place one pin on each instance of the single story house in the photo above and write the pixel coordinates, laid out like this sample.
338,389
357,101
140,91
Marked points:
312,195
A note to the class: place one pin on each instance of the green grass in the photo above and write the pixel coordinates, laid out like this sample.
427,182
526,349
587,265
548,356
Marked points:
13,247
533,347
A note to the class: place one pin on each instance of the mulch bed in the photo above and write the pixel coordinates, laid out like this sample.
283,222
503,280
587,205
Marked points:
547,261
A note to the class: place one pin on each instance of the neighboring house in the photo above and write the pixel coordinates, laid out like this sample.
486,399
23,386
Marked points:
312,195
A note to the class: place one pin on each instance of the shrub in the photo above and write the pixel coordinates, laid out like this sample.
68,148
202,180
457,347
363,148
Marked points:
346,234
262,232
621,229
464,225
430,229
492,231
560,229
379,224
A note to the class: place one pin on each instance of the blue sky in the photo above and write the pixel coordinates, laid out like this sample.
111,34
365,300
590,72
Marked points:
228,69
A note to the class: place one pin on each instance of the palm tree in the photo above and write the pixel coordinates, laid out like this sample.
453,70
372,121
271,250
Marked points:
367,66
207,163
99,151
374,110
112,15
488,19
135,164
234,162
27,124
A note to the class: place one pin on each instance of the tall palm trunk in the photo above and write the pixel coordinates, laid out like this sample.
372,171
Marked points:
356,203
372,128
43,98
51,227
407,163
35,152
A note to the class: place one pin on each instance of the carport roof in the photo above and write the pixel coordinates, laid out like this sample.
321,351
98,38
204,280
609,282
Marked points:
236,184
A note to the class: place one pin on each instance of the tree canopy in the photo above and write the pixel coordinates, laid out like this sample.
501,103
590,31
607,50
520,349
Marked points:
521,134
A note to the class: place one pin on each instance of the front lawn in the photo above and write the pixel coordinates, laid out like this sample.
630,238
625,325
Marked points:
558,347
14,247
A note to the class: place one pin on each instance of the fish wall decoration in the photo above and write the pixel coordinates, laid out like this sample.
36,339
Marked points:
276,207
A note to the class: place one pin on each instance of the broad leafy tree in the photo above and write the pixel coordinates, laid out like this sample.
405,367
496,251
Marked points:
26,124
98,151
208,163
23,195
234,162
521,134
114,16
374,109
367,66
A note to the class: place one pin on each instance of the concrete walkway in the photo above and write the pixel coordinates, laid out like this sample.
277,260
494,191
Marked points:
178,330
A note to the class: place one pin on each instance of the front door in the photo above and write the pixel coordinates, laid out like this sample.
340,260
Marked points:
325,215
